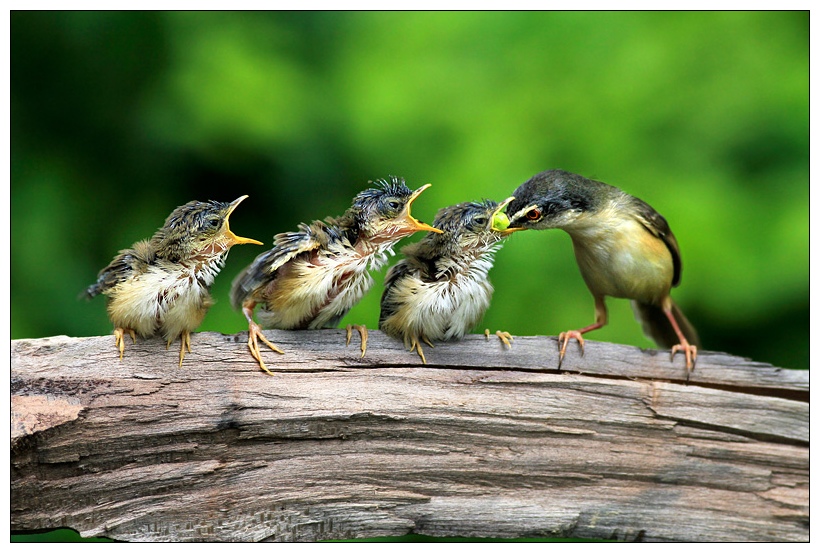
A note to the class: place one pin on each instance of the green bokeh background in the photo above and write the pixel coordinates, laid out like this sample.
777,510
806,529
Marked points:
118,117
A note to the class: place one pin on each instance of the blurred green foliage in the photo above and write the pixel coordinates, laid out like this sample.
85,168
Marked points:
118,117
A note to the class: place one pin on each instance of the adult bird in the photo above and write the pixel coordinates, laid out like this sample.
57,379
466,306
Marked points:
162,285
440,290
311,278
624,249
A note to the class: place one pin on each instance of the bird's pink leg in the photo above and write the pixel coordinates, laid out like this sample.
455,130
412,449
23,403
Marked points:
565,337
689,350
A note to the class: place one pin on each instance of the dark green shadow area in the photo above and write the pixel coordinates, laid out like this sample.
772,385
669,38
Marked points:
67,535
62,535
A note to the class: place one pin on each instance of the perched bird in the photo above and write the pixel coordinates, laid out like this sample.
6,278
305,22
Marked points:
162,285
440,290
311,278
624,249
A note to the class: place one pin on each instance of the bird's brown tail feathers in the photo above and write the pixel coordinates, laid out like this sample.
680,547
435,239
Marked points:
657,327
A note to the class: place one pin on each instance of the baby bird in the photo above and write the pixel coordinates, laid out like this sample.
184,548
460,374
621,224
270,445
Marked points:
440,290
162,285
624,248
311,278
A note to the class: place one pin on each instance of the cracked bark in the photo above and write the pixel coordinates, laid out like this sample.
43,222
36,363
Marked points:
482,441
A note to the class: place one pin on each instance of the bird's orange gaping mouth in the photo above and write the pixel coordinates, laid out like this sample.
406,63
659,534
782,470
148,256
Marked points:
411,221
234,239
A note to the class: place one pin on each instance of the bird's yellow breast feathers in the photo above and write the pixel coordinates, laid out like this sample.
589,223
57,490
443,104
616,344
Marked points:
622,259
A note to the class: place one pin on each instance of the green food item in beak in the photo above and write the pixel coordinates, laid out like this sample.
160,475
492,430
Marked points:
500,221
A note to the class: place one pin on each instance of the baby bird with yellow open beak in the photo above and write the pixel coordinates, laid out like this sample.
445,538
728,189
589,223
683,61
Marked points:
440,290
311,278
162,285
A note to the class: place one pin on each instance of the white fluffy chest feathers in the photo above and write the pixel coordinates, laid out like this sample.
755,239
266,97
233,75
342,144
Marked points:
168,298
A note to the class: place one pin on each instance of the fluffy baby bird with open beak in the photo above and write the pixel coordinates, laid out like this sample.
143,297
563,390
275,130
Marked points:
310,279
440,290
162,285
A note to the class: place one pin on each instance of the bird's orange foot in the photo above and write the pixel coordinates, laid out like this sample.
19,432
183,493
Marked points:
254,334
362,330
415,345
691,353
119,338
563,340
505,337
184,343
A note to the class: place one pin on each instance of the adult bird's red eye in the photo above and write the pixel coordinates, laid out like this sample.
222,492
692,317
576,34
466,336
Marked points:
533,214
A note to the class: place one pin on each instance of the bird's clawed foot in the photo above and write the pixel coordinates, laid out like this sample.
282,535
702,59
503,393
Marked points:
691,353
254,334
362,330
184,343
415,345
563,340
119,338
505,337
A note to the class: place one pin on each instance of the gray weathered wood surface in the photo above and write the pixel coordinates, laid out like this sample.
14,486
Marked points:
482,441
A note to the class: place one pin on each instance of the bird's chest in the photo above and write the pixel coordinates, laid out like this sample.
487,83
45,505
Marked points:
455,306
164,295
317,290
624,261
442,309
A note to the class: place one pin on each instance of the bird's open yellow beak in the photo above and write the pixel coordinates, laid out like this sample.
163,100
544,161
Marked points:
411,221
500,221
229,234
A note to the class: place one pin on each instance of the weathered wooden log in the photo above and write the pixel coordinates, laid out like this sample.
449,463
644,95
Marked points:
482,441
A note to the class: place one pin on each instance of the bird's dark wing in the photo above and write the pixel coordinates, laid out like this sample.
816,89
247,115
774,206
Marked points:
128,262
657,225
286,246
421,257
394,277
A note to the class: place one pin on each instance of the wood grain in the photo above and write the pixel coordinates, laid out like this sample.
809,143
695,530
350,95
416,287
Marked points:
482,441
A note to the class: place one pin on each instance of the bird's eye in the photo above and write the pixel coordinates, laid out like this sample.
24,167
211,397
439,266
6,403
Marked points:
212,223
393,204
534,214
480,221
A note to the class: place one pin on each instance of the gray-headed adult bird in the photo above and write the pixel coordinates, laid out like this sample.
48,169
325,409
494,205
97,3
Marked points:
624,249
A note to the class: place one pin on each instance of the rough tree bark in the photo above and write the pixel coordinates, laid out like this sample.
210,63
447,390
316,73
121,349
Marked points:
482,441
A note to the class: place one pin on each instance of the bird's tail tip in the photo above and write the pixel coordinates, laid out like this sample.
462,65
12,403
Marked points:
90,293
656,325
